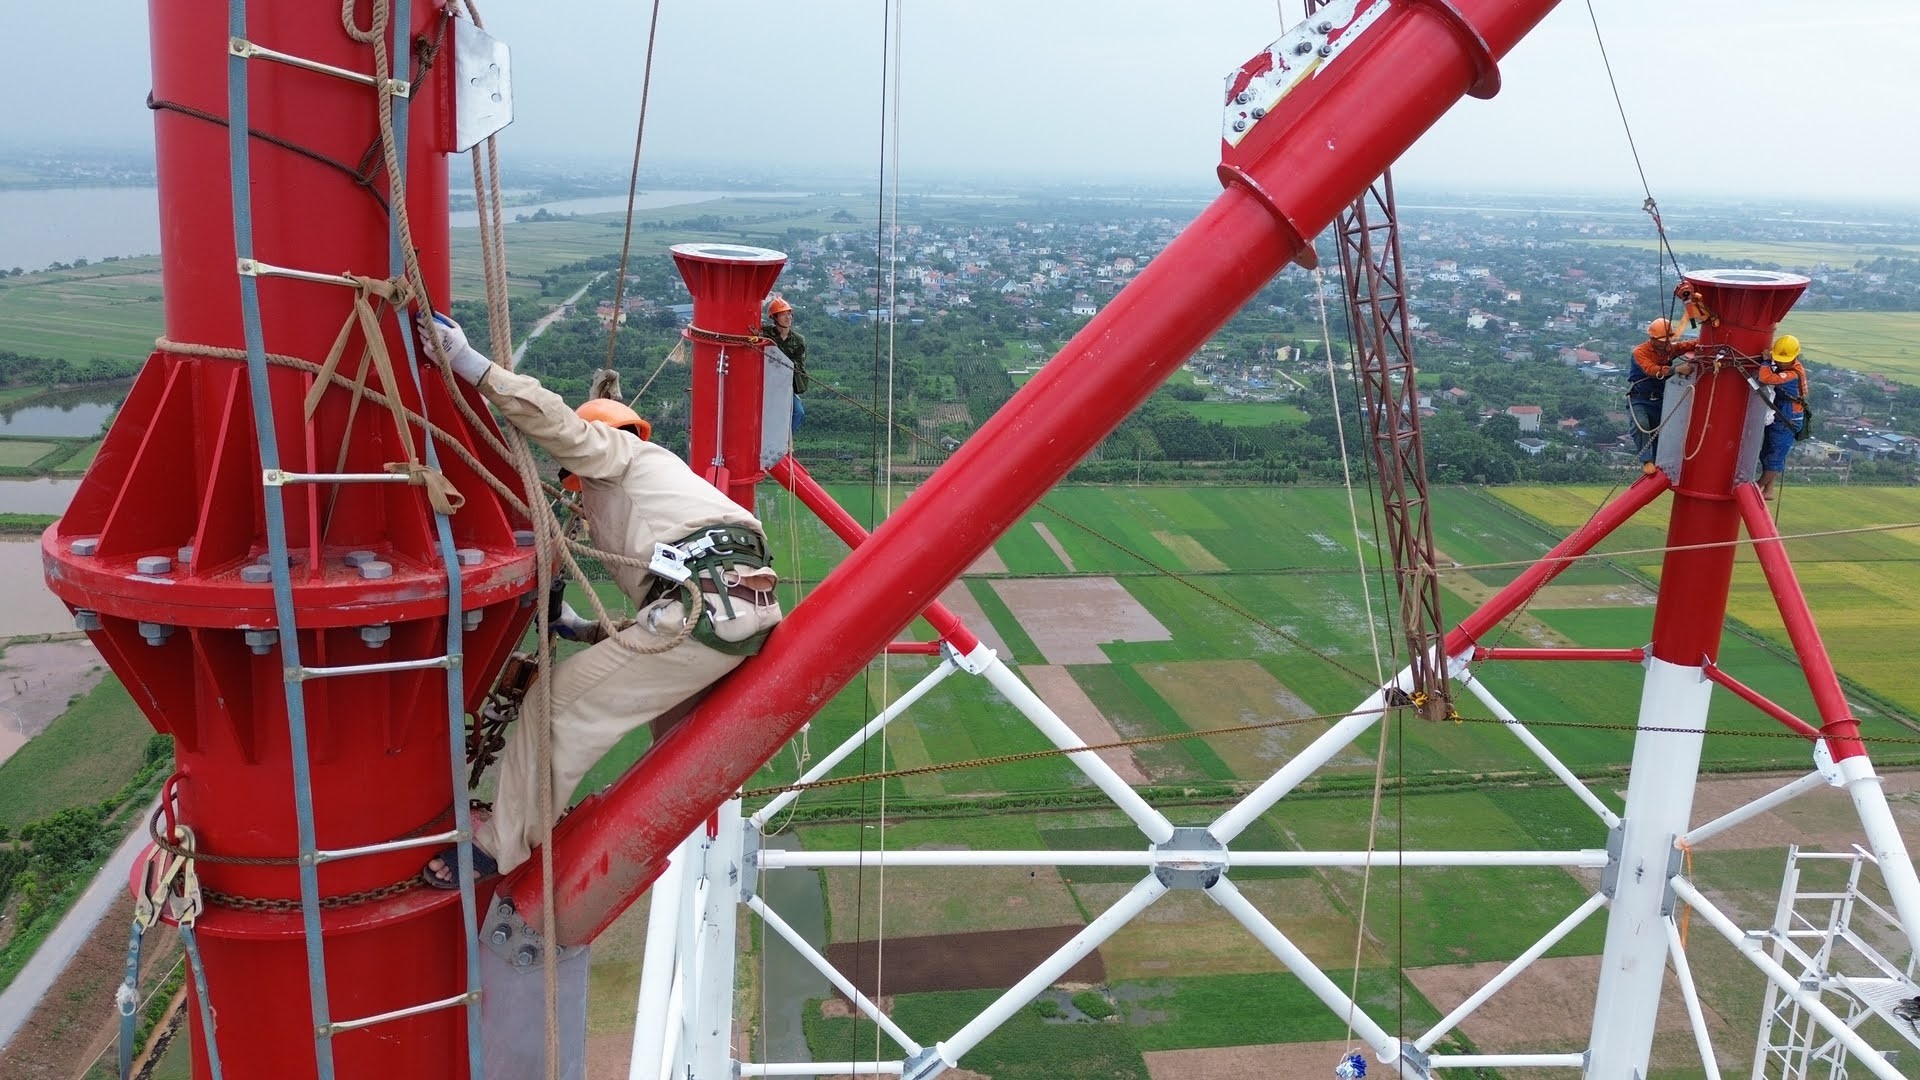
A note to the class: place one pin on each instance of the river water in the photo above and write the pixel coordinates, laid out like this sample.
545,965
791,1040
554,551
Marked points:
42,227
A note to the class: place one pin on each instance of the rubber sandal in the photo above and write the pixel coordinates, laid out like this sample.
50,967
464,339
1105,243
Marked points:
484,866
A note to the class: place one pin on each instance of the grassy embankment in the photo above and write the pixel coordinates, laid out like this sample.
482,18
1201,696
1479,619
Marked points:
99,753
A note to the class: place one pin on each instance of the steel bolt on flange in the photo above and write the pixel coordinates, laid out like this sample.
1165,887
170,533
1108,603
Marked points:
155,633
153,564
377,635
261,641
86,619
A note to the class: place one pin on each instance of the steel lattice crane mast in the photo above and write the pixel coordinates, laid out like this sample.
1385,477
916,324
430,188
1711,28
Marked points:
1368,232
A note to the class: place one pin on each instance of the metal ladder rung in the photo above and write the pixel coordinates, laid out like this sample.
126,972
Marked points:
336,1028
391,845
300,674
256,268
281,478
241,47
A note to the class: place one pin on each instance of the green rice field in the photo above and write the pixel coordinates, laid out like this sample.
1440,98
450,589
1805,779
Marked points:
1876,342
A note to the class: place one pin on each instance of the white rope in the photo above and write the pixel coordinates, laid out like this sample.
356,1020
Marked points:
886,659
1379,671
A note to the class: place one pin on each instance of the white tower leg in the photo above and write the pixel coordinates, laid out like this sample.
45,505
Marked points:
1666,764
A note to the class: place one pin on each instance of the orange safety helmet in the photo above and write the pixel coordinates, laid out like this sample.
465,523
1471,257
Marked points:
613,414
1662,330
778,307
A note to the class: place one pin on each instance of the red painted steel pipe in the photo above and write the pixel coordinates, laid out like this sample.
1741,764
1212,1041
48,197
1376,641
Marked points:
1691,612
728,283
793,476
1762,702
1631,656
1837,722
913,648
1361,111
1564,554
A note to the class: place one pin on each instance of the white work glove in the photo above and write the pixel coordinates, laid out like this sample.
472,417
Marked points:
468,362
570,625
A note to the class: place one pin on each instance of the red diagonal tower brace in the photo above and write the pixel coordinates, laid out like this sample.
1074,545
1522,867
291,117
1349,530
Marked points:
1317,128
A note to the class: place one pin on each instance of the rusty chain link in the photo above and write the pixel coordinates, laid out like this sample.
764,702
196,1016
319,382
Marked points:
327,903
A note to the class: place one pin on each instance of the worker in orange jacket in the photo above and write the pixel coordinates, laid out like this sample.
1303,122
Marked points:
1655,360
1788,378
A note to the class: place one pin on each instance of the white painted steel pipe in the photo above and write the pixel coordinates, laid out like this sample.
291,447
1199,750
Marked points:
1530,741
856,740
1750,947
1151,821
657,966
1142,896
1521,963
1683,971
1666,768
825,1068
1385,1047
1885,843
711,998
775,859
1495,1061
676,1019
825,967
1755,808
1302,765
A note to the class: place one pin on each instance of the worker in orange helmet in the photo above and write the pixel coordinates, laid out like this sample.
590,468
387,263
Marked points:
1655,360
1698,315
692,556
779,329
1787,377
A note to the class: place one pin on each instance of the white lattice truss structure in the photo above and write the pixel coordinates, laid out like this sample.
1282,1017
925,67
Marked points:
1830,939
684,1019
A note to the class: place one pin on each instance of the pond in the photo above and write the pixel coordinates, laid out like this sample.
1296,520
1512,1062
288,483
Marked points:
45,495
75,413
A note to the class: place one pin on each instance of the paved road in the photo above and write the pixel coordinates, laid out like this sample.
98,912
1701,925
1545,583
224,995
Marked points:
20,998
550,318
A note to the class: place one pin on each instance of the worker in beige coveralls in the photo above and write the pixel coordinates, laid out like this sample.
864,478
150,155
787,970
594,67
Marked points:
642,501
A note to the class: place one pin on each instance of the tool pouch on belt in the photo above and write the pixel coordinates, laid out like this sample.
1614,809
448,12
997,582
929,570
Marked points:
733,619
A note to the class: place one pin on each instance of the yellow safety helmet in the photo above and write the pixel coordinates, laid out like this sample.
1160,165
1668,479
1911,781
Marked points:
1786,349
778,307
1662,330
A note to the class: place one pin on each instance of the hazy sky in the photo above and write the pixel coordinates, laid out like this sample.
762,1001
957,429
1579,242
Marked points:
1738,96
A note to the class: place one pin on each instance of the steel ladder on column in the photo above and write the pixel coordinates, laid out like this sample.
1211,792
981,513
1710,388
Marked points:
240,53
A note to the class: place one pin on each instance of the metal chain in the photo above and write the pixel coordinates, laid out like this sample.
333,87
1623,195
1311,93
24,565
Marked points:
1407,703
162,843
327,903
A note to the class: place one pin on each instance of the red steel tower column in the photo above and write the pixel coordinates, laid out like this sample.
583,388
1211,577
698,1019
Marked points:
1702,445
160,553
728,282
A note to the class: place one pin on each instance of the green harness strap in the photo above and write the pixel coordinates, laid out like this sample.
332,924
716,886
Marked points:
730,545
